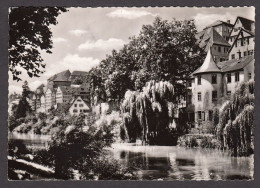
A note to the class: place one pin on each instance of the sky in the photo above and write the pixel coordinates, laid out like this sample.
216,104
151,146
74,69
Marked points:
84,36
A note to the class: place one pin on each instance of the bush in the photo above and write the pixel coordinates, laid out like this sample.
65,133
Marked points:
12,123
209,142
42,116
16,148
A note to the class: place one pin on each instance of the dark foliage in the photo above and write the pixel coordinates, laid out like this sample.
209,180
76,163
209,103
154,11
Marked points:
29,32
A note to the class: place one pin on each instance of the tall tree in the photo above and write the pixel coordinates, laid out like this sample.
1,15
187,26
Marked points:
23,106
29,33
163,51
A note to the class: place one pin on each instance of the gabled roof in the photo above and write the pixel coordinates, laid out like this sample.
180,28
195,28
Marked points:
62,76
245,22
235,64
85,101
209,37
208,65
241,29
218,22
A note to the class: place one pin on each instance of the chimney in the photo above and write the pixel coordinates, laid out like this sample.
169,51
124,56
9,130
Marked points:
228,21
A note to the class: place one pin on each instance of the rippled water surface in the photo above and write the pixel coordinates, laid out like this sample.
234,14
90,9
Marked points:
178,163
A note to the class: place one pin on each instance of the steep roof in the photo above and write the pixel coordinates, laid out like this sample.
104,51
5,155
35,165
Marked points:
208,65
210,36
245,22
235,64
237,36
79,73
85,101
218,22
62,76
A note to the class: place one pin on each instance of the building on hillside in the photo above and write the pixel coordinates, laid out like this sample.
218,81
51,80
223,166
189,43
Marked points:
212,84
78,106
13,100
60,79
223,28
50,99
241,23
42,107
63,94
243,44
210,38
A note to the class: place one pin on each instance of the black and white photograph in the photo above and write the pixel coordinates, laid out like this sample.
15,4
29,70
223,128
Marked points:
131,93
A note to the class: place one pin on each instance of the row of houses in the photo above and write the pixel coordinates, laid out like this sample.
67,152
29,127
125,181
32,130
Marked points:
64,91
229,61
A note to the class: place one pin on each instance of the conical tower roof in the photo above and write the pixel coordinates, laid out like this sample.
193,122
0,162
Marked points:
208,65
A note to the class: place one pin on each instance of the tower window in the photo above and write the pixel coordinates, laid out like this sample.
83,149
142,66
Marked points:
199,96
214,78
237,76
199,80
214,95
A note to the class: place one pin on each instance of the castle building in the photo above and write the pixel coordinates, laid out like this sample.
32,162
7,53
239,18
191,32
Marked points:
213,83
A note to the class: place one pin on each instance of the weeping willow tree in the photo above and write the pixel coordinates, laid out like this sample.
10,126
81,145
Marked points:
235,128
149,115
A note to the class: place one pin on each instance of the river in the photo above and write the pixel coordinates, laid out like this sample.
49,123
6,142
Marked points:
171,162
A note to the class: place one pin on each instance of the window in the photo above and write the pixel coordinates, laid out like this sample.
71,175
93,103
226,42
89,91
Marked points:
236,44
210,115
75,105
199,96
75,110
237,76
249,75
239,55
79,100
80,110
228,93
214,95
199,80
229,78
85,111
189,83
81,105
189,98
201,115
245,53
248,39
219,49
233,56
242,42
214,78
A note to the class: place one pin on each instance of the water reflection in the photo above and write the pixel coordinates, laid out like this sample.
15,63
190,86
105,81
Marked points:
170,163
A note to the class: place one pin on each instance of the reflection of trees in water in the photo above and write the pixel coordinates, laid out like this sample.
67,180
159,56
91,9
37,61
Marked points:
186,165
152,167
